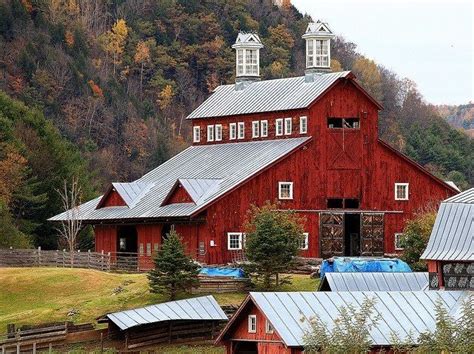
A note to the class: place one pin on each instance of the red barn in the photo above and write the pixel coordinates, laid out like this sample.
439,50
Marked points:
310,142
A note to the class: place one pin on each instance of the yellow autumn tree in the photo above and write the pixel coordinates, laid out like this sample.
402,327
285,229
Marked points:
335,65
114,41
369,75
142,56
165,97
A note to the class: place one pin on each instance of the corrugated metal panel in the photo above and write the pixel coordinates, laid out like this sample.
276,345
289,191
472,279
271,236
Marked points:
452,237
132,192
401,312
265,96
200,188
198,308
377,281
230,163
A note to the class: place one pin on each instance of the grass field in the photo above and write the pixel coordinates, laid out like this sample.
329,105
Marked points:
38,295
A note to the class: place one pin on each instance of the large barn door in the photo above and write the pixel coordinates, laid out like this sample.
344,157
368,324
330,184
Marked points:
331,234
372,231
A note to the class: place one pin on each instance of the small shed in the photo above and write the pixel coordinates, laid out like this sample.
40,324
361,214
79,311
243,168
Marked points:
374,281
199,318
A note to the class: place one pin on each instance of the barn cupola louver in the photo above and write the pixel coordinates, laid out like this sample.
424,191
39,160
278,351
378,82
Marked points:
318,37
247,58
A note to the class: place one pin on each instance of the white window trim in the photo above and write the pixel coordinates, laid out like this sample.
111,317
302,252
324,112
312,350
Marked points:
244,65
279,127
241,130
306,241
407,185
395,235
229,234
288,127
280,184
305,125
232,131
252,324
268,327
264,123
210,133
196,134
218,128
255,129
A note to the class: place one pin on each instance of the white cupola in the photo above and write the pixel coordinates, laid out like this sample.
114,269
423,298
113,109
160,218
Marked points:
318,47
247,54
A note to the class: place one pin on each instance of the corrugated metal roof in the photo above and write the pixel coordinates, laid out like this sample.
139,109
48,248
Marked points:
375,281
401,312
230,163
132,192
466,197
198,308
266,96
200,188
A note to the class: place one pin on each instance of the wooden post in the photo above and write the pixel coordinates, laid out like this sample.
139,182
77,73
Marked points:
102,260
34,348
18,348
39,256
101,342
169,331
126,340
88,258
3,349
108,261
50,351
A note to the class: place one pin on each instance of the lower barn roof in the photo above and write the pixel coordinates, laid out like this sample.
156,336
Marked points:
198,308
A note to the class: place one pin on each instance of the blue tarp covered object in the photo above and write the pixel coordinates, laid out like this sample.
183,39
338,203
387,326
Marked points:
222,272
363,264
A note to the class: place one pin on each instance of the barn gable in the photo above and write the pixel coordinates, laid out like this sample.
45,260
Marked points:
192,190
124,194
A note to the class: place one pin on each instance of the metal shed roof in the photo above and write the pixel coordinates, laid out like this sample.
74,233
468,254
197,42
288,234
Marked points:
452,237
375,281
230,163
198,308
266,96
401,312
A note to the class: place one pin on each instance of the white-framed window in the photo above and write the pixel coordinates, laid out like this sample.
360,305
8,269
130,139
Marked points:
247,62
218,132
210,133
303,124
401,191
241,130
279,127
285,190
268,327
310,53
234,240
252,325
255,129
317,53
304,241
397,240
264,128
288,126
232,131
196,134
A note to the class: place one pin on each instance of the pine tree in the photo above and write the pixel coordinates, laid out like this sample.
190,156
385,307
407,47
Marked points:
174,270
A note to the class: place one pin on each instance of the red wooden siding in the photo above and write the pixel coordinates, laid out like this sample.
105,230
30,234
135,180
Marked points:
149,240
113,199
179,195
105,238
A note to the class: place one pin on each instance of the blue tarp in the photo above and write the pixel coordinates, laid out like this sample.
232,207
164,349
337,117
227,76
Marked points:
222,272
363,264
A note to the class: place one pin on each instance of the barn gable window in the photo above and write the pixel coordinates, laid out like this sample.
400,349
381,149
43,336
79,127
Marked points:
303,125
268,327
398,239
401,191
255,129
210,133
234,240
218,132
232,131
346,123
252,324
241,130
304,241
196,134
264,128
279,127
285,190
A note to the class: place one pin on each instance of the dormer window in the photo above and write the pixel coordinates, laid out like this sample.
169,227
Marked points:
264,128
288,126
232,131
279,127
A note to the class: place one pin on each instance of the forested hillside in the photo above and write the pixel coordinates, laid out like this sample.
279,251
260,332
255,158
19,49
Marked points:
112,81
460,117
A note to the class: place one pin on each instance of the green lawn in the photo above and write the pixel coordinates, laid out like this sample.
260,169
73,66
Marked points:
38,295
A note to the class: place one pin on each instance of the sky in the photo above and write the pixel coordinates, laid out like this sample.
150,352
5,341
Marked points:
427,41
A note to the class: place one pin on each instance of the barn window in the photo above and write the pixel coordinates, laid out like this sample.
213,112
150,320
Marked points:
234,241
241,130
196,134
279,127
210,133
264,128
335,203
351,203
303,125
398,239
288,126
285,190
148,249
268,327
141,249
401,191
252,323
255,129
304,241
218,132
232,131
346,123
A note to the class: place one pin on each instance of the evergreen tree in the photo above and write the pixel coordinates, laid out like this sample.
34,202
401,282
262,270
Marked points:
174,270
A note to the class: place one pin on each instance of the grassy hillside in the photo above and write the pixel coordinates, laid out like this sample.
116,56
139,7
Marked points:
37,295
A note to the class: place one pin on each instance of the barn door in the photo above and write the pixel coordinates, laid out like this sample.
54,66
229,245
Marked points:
372,230
331,234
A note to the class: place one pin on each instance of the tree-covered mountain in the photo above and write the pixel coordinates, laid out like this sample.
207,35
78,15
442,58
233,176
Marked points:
460,117
117,78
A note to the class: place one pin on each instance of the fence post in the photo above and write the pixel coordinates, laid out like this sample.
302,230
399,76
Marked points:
108,261
64,257
39,256
88,258
102,260
34,348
